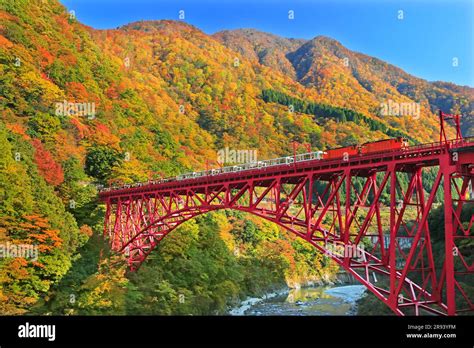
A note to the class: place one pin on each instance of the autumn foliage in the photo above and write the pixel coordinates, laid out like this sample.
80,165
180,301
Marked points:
49,169
167,98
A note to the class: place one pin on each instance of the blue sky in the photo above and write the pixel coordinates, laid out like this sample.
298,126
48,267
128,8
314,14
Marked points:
432,35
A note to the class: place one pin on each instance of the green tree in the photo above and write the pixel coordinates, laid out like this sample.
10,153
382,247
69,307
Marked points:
100,160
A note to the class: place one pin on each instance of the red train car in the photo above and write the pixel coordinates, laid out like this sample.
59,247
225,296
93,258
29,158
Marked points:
352,150
384,145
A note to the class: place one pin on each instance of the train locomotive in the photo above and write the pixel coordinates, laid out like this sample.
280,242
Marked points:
398,143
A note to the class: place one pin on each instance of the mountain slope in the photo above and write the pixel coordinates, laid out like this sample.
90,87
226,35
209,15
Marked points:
165,97
329,67
267,49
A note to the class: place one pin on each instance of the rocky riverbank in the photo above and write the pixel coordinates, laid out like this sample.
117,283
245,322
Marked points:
322,297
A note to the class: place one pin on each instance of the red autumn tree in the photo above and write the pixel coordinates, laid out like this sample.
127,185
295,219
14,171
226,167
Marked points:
48,168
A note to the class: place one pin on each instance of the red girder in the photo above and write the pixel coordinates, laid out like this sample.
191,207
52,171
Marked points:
318,201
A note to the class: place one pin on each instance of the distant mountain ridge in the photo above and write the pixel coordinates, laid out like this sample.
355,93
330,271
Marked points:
267,49
322,62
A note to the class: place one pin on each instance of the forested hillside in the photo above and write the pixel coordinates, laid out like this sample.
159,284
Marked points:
350,79
166,97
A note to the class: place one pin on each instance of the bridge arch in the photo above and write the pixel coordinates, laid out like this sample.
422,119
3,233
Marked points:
147,239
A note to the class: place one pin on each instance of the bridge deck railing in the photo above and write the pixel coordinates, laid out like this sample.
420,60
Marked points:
310,156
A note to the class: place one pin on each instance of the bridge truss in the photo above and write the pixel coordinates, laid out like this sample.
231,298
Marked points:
368,213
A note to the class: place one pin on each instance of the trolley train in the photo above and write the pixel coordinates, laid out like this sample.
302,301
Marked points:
367,148
345,152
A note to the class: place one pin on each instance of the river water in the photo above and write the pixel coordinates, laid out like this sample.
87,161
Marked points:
318,300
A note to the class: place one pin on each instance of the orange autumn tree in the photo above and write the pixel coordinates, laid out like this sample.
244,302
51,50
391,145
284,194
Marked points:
35,269
36,230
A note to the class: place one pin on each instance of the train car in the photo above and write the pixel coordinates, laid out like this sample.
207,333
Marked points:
384,145
340,152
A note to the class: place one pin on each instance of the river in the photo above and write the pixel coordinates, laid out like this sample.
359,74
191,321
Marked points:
316,300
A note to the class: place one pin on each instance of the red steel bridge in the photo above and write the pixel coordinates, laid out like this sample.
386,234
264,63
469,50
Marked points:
374,205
